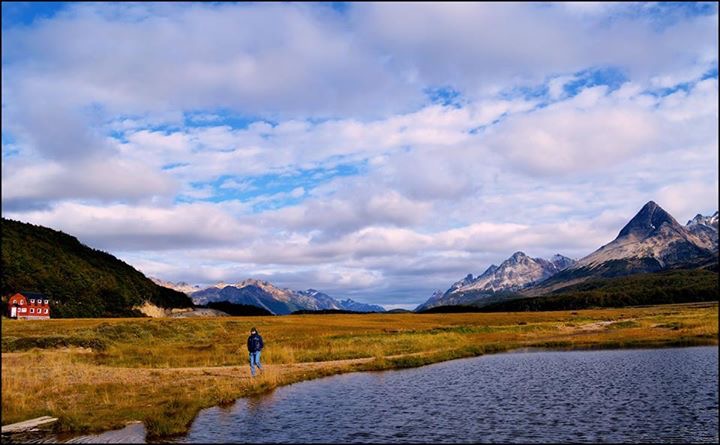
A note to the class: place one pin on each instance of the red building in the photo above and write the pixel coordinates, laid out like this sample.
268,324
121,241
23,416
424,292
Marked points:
29,306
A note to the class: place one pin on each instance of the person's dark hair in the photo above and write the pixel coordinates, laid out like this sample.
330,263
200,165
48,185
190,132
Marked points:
253,330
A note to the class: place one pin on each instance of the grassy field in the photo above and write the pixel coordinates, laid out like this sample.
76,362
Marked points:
98,374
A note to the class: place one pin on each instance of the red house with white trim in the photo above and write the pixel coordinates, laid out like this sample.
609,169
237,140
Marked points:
29,306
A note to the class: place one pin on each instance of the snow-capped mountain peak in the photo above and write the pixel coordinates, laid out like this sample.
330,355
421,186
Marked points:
513,274
180,286
710,221
705,228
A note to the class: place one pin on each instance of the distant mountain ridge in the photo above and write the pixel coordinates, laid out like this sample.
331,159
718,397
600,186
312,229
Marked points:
513,274
265,295
181,286
651,241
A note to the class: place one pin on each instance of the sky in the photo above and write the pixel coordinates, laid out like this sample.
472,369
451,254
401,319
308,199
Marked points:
377,152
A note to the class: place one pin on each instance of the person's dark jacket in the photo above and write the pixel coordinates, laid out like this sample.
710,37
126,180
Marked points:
255,343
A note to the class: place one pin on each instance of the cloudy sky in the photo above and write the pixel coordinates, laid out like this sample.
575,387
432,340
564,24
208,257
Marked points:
371,151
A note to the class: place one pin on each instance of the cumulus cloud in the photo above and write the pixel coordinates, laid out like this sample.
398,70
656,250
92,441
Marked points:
27,185
290,58
122,227
333,216
483,46
596,129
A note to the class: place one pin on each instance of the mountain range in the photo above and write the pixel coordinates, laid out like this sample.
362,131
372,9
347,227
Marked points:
265,295
515,273
180,286
651,241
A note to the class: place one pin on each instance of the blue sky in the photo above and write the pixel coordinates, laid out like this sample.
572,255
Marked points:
352,147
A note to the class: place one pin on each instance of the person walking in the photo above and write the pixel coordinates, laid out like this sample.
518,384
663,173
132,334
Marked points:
255,345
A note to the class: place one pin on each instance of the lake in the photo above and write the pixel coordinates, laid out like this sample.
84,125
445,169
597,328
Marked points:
636,395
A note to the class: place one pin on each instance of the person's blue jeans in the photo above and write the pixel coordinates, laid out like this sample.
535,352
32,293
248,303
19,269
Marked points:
254,361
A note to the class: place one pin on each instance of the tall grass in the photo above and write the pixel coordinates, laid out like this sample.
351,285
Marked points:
97,374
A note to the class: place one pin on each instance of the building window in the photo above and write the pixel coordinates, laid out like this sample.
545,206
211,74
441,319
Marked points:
23,309
46,301
32,310
22,302
32,301
46,311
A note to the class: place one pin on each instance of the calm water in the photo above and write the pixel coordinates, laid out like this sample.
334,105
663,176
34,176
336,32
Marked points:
650,395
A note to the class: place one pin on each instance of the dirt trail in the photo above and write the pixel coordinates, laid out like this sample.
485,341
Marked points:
243,371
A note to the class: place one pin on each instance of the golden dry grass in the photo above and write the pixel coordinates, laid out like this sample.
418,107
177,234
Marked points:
163,371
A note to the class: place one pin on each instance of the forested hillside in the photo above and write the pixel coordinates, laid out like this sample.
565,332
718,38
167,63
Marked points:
674,286
79,280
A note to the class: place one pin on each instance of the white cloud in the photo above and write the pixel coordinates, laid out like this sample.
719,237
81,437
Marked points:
122,227
483,47
114,179
594,130
279,58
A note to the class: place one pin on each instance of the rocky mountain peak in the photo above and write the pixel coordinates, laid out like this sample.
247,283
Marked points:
518,257
652,240
699,219
710,221
464,282
561,261
705,229
490,270
647,220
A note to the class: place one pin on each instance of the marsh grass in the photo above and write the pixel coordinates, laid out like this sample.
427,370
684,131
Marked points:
106,372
